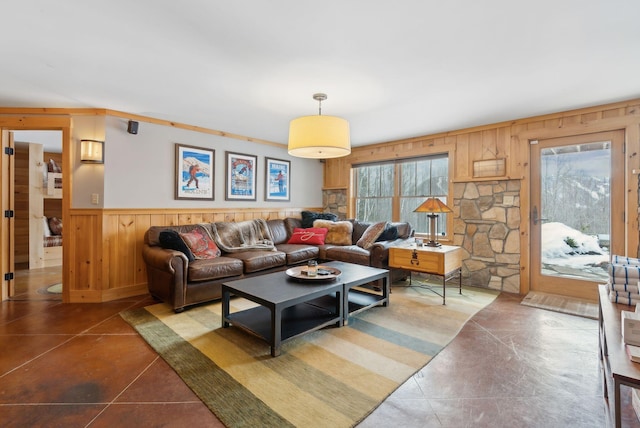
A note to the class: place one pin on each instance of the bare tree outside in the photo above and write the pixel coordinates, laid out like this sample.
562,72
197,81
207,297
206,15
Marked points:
575,189
374,192
575,210
415,179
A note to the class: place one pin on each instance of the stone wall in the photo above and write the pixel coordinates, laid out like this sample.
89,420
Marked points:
335,201
487,227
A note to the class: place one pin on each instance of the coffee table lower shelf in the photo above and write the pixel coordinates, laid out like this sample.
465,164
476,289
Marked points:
358,301
289,308
296,320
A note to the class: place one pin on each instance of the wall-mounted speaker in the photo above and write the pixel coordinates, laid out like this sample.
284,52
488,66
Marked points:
132,128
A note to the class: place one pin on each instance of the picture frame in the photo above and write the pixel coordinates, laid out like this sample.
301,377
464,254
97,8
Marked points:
194,178
241,171
277,180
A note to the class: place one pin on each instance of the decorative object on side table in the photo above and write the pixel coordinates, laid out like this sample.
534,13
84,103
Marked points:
433,206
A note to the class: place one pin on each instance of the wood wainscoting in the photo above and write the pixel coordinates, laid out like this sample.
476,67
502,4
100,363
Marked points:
103,248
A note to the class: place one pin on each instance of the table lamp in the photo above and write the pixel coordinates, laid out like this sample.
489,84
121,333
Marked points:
433,206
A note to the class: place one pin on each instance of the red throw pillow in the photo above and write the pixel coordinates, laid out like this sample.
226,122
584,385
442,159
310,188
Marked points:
200,244
310,235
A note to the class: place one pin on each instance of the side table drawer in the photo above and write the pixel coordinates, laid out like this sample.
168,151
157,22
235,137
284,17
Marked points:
422,261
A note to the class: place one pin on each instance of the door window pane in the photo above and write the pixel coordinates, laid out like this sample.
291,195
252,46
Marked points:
575,210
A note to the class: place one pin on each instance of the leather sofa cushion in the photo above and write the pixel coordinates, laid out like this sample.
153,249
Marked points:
323,251
258,260
358,229
292,223
404,229
349,254
278,230
208,269
297,253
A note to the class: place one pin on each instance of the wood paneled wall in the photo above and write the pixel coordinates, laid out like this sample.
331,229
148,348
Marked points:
105,246
510,141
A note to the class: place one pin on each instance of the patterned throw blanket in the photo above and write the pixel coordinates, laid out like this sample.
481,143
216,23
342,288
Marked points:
246,235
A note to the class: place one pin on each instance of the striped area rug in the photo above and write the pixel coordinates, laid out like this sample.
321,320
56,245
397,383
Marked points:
329,378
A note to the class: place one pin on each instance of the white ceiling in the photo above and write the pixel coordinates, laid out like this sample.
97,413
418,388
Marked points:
394,69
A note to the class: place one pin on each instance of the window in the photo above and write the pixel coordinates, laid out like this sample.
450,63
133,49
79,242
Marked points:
376,198
374,192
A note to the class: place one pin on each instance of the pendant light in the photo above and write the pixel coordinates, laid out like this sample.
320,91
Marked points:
319,137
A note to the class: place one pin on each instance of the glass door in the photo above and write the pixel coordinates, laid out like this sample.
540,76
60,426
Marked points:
577,212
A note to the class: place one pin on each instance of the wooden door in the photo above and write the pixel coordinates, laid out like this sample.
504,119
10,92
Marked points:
7,213
577,212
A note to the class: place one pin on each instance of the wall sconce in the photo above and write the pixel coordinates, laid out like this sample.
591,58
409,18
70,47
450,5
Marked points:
92,151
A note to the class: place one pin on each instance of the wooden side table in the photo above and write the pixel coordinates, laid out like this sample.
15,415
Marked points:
444,261
617,367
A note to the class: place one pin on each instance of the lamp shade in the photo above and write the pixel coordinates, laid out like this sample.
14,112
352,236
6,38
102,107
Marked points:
92,151
433,205
319,137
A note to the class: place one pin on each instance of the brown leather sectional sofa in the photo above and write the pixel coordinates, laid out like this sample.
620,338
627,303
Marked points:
174,279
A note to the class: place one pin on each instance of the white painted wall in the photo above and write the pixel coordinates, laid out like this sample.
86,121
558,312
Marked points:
88,179
139,170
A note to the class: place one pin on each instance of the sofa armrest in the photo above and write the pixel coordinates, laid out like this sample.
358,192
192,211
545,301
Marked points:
162,258
166,274
379,252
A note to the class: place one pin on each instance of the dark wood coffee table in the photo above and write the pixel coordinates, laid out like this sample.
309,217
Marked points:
284,312
354,300
289,307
